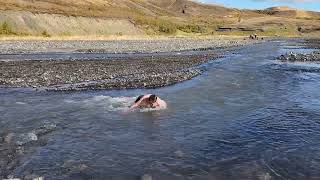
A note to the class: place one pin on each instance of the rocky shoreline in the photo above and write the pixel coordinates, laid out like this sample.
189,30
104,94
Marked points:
108,72
314,56
313,43
118,46
14,146
134,72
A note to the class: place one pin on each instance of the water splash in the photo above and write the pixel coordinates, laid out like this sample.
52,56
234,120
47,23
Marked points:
108,103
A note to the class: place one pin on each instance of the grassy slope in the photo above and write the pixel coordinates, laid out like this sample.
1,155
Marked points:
176,16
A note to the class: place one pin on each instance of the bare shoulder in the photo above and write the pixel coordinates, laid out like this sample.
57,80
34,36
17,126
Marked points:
162,103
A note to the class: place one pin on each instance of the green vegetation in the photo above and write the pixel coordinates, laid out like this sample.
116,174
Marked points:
156,25
286,32
163,26
119,34
5,29
308,18
45,34
191,28
65,34
289,31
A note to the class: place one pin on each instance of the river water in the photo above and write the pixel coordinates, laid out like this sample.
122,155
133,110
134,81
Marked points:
247,117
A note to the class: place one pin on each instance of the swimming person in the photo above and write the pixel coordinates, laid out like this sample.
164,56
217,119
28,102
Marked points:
149,101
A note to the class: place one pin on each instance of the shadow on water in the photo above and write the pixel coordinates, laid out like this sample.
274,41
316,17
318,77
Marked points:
246,117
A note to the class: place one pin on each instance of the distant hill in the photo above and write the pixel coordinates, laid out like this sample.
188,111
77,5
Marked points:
116,8
291,12
136,17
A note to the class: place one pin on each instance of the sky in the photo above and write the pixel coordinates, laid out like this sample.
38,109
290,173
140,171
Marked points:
313,5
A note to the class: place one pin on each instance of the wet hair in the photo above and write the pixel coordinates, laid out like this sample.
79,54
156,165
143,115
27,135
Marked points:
138,99
153,98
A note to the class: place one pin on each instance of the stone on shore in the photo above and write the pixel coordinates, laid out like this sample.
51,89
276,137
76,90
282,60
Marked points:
314,56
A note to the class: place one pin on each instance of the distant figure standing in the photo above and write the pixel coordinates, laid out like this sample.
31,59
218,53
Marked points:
149,101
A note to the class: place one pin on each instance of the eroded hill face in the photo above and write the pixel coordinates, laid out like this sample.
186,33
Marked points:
110,8
155,17
285,11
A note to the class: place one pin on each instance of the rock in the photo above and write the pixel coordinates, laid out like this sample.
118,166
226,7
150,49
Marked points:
20,139
46,128
314,56
33,177
23,139
83,167
20,150
266,177
38,178
11,177
146,177
117,73
179,154
8,138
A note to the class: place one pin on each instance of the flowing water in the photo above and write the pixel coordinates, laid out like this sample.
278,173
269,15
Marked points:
247,117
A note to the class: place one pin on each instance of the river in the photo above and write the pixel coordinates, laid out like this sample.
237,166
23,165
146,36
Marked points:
247,117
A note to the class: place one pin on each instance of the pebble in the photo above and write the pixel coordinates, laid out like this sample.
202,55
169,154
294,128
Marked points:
179,154
130,72
123,46
98,73
11,177
44,129
314,56
146,177
8,138
33,177
25,138
20,139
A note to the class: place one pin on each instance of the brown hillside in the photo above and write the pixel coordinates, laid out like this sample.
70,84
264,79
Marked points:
116,8
165,16
284,11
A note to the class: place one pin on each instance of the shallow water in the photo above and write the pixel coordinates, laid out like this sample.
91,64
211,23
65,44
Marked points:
247,117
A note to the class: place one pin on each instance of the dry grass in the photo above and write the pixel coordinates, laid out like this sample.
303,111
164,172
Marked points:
124,37
167,17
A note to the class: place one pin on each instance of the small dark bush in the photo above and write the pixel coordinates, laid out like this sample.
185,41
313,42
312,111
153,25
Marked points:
45,34
6,29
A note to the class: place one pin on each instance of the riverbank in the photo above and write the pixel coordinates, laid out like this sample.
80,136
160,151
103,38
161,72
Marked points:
110,71
119,46
144,72
222,125
314,56
304,57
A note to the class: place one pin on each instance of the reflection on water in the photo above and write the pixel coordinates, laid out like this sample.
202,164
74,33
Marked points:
247,117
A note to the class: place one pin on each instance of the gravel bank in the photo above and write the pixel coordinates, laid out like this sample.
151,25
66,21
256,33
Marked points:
123,46
314,56
313,43
107,71
143,72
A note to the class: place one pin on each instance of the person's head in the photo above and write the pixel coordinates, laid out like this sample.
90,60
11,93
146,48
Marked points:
153,98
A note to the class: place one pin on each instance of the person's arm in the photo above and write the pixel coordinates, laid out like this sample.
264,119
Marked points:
137,104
